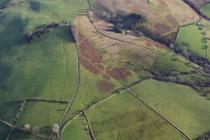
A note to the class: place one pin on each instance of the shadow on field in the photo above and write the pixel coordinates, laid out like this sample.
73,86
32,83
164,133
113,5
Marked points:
34,5
4,3
4,130
13,33
65,34
20,136
8,110
4,75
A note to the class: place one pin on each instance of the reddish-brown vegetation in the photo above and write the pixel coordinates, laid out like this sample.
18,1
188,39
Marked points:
161,46
89,66
119,73
92,61
104,86
149,43
172,20
162,28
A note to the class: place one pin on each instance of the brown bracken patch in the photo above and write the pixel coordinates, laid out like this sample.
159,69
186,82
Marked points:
119,73
104,86
92,61
162,28
89,57
172,20
89,66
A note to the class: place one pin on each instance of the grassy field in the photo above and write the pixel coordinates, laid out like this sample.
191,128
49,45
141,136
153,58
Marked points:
89,92
123,117
36,12
176,67
52,113
45,68
206,9
42,68
167,63
180,104
76,130
192,38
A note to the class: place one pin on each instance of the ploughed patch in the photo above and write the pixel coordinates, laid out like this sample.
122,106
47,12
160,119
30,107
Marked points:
104,86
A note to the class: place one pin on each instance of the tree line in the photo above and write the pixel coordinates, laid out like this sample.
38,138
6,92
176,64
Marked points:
41,31
201,61
197,9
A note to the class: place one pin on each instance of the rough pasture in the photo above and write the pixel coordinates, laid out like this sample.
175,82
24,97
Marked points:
92,61
162,17
117,57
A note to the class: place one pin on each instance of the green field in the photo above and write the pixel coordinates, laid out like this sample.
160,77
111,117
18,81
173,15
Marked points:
168,62
75,130
124,117
44,12
45,68
87,96
52,113
206,9
89,92
192,38
180,104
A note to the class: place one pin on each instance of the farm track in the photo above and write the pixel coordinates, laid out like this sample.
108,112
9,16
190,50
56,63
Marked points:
6,123
91,107
9,134
71,102
124,88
